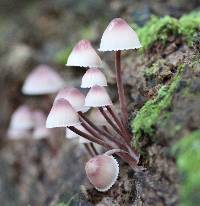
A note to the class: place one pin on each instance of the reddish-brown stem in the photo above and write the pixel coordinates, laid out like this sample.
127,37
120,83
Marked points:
89,137
109,137
120,125
93,148
120,87
89,150
109,120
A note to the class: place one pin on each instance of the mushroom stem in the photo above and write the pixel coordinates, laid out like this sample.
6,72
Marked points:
120,125
93,148
89,137
109,120
89,150
103,133
120,87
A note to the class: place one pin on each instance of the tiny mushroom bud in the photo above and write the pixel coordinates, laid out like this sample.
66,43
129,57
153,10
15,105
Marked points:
83,55
40,131
62,114
97,97
74,97
119,36
102,171
93,77
42,80
22,119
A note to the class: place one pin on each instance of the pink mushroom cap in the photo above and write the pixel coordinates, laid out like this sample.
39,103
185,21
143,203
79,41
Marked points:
42,80
93,76
97,97
62,114
119,36
84,55
74,97
22,119
102,171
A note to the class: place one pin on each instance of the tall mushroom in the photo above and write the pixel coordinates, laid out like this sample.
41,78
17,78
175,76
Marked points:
117,37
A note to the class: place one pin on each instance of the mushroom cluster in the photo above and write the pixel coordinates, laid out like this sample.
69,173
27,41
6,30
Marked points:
103,125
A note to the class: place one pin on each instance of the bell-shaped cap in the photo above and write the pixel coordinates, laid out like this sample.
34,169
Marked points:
83,55
97,97
74,97
42,80
62,114
102,171
97,118
93,77
119,36
40,131
22,119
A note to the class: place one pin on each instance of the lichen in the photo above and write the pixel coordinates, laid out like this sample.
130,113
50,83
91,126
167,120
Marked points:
187,152
148,115
160,29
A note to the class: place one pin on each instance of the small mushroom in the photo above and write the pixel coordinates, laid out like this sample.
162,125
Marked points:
62,114
21,123
102,171
74,97
119,36
93,76
97,97
42,80
22,118
84,55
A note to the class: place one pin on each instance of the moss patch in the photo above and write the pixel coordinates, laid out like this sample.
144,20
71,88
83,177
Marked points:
159,29
188,162
149,114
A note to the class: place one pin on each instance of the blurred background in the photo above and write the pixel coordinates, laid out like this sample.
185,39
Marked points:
46,171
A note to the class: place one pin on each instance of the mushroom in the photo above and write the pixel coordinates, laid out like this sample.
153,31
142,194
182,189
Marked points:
102,171
62,114
74,97
83,55
42,80
119,36
22,118
21,123
93,76
97,97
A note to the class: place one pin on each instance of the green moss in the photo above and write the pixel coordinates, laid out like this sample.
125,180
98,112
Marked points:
149,114
188,163
154,69
188,26
159,29
62,55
